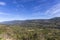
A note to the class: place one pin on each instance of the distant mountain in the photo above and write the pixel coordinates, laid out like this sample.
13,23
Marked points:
33,20
12,22
56,19
53,22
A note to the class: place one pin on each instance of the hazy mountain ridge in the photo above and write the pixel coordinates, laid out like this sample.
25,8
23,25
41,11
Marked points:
53,22
33,20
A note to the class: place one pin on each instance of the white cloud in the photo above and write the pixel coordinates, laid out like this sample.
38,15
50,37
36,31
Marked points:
2,13
54,11
36,8
2,3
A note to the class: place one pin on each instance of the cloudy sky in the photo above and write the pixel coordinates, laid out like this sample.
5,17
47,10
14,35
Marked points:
28,9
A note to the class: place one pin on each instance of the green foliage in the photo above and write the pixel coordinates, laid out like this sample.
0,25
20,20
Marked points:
30,33
0,38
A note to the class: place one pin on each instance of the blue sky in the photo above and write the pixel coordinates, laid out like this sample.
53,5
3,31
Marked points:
28,9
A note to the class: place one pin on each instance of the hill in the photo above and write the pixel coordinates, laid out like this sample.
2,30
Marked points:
28,33
40,23
36,29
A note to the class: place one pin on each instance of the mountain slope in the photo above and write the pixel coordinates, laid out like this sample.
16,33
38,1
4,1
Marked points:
53,22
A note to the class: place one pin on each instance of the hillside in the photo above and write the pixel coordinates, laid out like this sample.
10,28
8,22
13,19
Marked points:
40,23
37,29
28,33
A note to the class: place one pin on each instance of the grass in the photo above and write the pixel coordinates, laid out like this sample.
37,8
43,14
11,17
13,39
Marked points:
29,33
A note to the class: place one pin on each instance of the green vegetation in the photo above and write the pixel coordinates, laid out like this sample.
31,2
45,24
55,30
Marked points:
48,29
14,32
0,38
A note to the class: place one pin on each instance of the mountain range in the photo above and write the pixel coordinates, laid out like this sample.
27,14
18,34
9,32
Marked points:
53,22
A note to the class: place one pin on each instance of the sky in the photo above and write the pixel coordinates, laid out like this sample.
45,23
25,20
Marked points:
29,9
